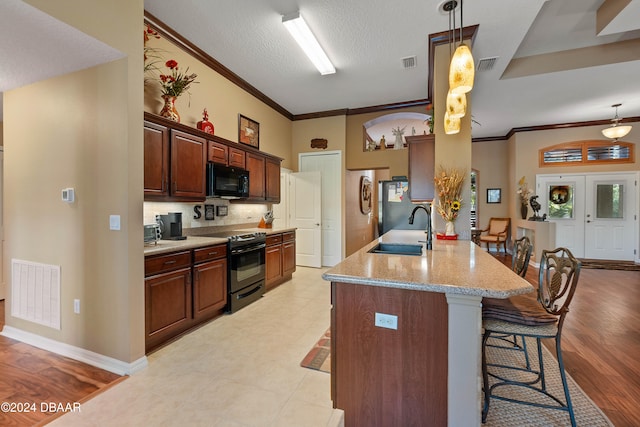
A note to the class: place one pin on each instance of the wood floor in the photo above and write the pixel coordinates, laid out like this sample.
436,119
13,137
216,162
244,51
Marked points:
601,340
38,385
601,346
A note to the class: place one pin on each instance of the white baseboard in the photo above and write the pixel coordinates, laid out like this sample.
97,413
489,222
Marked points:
89,357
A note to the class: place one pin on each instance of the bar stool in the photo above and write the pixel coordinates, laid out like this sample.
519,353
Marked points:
557,280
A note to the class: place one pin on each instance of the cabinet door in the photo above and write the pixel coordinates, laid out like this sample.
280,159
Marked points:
188,162
421,167
273,261
209,288
217,153
167,305
256,168
288,257
237,158
272,185
156,160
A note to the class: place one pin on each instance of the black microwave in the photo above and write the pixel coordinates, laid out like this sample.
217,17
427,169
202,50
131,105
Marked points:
226,182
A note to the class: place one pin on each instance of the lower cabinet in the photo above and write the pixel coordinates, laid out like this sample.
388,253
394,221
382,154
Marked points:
280,258
182,290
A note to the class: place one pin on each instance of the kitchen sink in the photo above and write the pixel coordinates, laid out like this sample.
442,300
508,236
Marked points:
397,249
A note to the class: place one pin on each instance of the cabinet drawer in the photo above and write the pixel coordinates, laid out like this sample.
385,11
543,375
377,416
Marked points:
274,239
209,253
288,236
161,263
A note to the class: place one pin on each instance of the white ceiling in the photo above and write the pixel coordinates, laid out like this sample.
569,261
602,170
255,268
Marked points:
366,39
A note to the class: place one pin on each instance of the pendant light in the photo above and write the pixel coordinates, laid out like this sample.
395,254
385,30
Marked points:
462,68
451,125
456,104
616,132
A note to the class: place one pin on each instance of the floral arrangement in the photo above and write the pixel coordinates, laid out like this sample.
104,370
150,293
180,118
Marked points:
449,192
429,121
150,53
176,82
524,191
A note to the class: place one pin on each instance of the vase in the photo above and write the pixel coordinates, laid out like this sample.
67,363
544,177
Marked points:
524,210
449,229
169,109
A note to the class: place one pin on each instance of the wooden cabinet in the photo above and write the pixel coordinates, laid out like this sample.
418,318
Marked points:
156,159
280,258
174,163
273,261
225,155
256,168
209,281
421,167
175,158
167,296
288,253
188,162
183,289
272,180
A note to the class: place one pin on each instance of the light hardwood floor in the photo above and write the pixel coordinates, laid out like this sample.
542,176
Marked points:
601,344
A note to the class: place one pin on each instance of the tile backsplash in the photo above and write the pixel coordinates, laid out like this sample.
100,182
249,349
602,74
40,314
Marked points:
237,213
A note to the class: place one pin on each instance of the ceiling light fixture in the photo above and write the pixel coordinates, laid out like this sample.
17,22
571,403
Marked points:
451,125
462,68
456,105
616,132
309,44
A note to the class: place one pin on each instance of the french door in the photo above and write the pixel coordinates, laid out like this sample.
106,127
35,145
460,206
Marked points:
595,214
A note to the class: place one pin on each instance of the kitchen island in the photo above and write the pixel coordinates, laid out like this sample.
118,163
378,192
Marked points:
421,365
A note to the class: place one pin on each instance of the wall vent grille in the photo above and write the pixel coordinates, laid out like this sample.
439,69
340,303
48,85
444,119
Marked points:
35,292
486,64
410,62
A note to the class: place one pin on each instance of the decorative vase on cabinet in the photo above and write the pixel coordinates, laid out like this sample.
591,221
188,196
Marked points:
524,210
449,229
169,109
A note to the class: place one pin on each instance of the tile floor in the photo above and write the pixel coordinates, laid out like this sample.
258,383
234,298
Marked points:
239,370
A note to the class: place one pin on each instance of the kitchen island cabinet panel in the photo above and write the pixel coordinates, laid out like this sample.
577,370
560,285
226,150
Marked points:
384,376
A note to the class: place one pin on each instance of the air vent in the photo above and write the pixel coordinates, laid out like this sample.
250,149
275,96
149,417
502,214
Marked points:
486,64
409,62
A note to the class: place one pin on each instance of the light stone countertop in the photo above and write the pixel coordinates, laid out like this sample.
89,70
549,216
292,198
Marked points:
453,267
192,242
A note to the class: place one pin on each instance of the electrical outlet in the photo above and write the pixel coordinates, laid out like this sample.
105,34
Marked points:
76,306
388,321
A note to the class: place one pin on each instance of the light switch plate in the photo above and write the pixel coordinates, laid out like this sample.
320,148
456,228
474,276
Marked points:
114,222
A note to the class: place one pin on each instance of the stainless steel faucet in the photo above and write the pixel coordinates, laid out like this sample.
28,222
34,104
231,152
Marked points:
427,209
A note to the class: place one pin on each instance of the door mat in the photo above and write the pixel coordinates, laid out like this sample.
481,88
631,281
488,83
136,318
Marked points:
319,357
610,265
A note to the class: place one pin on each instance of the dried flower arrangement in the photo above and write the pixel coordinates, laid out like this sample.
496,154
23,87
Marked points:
524,191
449,192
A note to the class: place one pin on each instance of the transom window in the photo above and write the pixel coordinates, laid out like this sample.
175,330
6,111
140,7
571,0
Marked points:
586,152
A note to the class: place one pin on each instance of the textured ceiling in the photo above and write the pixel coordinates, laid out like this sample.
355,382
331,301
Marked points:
552,65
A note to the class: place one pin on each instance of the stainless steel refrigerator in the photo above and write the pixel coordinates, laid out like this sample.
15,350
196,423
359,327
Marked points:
394,208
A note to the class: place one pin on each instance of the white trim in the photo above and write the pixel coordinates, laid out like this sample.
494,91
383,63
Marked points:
89,357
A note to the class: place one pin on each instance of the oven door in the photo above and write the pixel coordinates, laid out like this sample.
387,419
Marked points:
246,266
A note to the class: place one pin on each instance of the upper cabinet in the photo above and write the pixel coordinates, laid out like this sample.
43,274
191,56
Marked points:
175,159
421,167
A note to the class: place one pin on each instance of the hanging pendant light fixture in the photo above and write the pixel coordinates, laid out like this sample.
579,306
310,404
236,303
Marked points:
615,131
456,105
462,68
451,125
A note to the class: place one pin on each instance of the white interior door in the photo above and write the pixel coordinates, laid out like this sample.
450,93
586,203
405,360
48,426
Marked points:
562,198
305,206
281,210
610,221
330,164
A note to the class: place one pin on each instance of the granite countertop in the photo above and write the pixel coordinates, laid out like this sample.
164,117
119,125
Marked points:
453,267
193,241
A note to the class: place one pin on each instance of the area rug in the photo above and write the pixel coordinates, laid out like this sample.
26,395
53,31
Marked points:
610,265
319,357
503,413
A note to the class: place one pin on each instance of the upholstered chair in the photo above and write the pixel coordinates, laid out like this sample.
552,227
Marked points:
497,233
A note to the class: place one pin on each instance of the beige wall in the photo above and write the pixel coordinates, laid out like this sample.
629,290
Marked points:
223,101
88,136
359,226
333,129
491,161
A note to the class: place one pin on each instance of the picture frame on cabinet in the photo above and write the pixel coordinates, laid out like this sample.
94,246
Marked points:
248,131
494,195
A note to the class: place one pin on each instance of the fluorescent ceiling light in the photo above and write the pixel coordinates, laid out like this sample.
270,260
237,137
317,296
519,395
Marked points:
303,35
